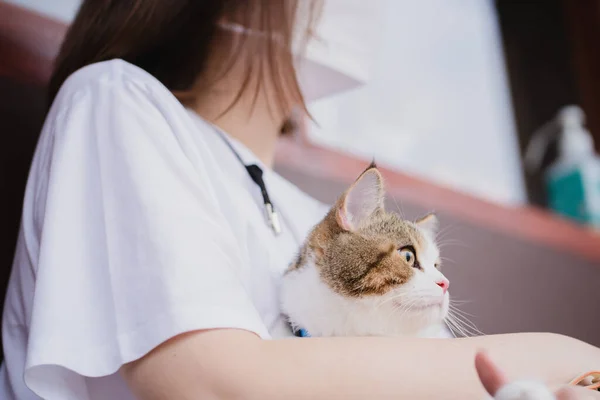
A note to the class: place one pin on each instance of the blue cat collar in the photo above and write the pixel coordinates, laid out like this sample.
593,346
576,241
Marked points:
302,333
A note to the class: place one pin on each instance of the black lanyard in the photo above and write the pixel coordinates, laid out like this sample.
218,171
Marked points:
256,173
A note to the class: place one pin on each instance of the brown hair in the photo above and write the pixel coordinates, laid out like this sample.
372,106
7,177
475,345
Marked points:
173,40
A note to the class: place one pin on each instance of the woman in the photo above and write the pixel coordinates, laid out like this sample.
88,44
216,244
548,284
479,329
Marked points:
145,265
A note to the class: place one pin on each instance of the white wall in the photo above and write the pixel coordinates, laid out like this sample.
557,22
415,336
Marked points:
438,103
60,9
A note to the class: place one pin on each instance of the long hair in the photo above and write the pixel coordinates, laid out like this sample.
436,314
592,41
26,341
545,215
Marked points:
173,41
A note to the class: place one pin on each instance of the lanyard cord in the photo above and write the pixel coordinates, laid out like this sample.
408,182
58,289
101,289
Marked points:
256,174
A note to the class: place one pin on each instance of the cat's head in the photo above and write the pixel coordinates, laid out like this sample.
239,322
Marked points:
379,259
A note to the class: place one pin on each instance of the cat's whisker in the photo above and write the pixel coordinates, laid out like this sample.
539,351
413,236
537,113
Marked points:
400,295
451,331
451,328
397,308
441,237
444,230
415,302
451,325
398,208
447,230
468,325
387,300
470,329
447,261
459,311
461,315
454,305
402,304
407,306
451,242
460,330
456,301
459,326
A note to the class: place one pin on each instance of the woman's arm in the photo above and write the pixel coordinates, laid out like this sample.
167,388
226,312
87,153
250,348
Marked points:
233,364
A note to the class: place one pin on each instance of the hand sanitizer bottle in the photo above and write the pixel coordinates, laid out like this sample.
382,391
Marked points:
573,180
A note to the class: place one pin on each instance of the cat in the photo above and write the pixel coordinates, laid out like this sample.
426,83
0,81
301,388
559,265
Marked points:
364,271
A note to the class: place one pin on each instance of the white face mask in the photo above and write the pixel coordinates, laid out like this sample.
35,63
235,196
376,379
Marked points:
341,58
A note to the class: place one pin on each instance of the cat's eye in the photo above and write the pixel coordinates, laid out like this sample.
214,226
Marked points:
408,255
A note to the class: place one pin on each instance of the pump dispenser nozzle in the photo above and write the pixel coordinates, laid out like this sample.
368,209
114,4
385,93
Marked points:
574,139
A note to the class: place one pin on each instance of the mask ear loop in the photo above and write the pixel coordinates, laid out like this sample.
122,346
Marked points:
239,29
589,380
243,30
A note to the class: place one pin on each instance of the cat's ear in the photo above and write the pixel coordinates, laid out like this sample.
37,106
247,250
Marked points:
429,223
362,199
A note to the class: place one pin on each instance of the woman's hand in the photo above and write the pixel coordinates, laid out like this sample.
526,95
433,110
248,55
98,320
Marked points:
496,384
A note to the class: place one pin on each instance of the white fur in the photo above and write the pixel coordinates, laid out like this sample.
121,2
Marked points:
416,308
525,390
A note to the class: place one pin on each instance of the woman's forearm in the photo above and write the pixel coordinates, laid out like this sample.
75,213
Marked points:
373,368
237,365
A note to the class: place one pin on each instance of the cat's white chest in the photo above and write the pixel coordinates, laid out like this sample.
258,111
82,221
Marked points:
308,301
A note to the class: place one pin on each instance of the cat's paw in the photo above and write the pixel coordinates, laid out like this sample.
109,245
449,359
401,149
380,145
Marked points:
524,390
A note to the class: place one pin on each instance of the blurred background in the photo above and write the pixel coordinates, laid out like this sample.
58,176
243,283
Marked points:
445,95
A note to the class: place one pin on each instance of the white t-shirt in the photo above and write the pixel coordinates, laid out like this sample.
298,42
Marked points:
139,224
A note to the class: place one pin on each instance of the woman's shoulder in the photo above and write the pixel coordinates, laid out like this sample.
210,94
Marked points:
115,72
117,103
112,75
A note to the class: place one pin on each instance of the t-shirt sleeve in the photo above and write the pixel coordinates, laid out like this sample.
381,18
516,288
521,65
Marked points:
133,246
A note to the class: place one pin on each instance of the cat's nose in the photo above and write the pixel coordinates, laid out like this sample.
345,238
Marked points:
444,284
